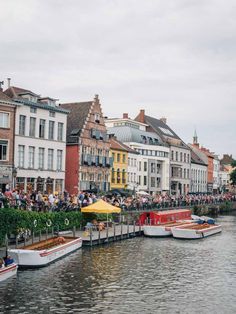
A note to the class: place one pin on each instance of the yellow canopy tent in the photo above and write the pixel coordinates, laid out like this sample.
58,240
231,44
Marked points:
101,207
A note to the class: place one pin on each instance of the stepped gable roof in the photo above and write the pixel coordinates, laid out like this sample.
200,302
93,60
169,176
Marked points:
117,145
196,159
4,97
76,118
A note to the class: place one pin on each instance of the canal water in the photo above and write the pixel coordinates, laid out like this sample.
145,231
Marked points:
139,275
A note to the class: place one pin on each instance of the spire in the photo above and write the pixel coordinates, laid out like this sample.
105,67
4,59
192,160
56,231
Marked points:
195,140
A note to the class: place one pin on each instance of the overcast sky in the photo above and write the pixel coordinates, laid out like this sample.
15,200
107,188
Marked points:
173,58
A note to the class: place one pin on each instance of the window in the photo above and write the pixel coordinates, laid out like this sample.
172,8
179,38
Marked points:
139,166
59,159
153,182
51,130
123,176
60,131
118,176
118,157
32,127
184,157
4,120
21,156
181,156
41,158
172,155
123,158
22,125
42,123
58,185
128,161
187,158
52,114
97,117
145,166
50,159
31,156
113,175
33,110
139,180
152,167
145,180
3,150
176,156
187,173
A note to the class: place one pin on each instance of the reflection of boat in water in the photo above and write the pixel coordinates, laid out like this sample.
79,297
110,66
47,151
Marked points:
159,224
196,230
46,251
8,271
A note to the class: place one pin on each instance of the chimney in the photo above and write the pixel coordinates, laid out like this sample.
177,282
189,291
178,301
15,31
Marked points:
9,82
1,83
125,116
142,116
163,119
96,97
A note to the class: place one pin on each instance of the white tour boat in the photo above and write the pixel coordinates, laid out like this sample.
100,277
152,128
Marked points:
45,252
195,231
8,271
162,230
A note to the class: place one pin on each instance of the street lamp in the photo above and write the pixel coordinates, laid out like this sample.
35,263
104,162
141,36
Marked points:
14,175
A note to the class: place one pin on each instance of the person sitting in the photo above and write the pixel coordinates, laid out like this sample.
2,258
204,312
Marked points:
8,260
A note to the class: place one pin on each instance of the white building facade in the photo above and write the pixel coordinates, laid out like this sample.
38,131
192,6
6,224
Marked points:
151,170
40,143
216,174
132,172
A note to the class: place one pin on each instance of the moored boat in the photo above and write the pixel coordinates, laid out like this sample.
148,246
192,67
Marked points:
158,224
163,230
196,231
45,252
8,271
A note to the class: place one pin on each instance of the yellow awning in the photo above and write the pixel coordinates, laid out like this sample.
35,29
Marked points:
101,207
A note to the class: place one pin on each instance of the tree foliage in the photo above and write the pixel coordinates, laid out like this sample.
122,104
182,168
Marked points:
233,177
233,163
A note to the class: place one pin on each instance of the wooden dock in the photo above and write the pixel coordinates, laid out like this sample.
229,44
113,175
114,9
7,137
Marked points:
90,237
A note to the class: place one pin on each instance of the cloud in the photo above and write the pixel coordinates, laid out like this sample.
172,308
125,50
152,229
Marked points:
174,58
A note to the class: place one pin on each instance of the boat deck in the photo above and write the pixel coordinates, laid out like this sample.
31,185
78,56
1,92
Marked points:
48,243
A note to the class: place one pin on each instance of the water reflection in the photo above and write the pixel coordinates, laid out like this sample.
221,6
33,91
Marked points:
139,275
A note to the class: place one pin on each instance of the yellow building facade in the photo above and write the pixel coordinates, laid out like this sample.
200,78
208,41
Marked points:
118,172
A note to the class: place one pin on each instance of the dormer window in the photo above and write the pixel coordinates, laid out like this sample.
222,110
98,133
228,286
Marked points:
97,117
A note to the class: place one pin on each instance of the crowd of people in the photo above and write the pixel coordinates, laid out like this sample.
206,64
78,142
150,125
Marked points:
37,201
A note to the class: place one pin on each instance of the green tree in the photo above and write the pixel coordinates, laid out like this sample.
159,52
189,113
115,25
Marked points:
233,163
233,177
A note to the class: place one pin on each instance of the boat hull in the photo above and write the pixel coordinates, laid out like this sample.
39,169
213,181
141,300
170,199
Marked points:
195,234
7,272
40,258
156,231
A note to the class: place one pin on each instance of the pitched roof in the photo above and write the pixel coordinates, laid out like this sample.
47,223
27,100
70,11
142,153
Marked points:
4,97
117,145
196,159
76,118
14,92
127,134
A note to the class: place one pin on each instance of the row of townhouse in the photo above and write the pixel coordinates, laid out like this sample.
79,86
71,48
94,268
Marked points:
72,146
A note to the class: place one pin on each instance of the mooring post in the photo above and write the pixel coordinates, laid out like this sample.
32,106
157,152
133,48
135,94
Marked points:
32,236
139,228
134,229
40,234
127,227
52,232
90,234
107,234
16,242
114,239
46,233
121,230
74,231
99,235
